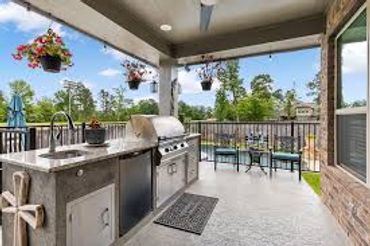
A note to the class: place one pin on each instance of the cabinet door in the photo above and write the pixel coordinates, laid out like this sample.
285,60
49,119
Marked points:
90,219
164,186
179,176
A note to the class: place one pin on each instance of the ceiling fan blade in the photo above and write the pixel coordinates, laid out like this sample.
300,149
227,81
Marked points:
205,16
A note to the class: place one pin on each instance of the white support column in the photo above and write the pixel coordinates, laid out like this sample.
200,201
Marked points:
168,88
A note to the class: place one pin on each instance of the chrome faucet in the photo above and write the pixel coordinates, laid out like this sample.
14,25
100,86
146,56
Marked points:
52,138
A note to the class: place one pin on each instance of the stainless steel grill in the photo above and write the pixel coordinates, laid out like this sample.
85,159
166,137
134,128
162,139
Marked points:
166,130
171,155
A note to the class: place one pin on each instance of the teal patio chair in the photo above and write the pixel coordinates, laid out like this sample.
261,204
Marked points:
287,149
226,146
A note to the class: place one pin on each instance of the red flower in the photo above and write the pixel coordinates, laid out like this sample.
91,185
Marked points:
39,50
21,48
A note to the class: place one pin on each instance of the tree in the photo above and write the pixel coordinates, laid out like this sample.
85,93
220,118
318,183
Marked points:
103,99
261,86
230,93
231,81
253,108
148,106
314,87
61,99
25,91
223,108
189,112
44,110
119,103
82,102
3,108
86,103
289,104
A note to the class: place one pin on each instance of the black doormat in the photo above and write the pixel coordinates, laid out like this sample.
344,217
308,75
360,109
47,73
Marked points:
189,213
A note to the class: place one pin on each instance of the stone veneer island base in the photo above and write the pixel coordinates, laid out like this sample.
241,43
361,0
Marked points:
82,196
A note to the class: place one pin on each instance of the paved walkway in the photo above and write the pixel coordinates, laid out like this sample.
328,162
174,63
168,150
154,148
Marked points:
253,209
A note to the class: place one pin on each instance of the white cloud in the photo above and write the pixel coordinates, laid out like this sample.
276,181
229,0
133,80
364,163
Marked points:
354,57
26,21
190,83
109,72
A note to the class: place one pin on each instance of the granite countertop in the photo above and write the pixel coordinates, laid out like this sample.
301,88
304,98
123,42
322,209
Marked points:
31,159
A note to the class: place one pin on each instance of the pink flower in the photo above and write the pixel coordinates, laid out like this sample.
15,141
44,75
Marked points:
17,57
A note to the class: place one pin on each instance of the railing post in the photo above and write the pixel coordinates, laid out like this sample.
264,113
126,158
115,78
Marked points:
83,126
200,139
32,138
1,142
292,144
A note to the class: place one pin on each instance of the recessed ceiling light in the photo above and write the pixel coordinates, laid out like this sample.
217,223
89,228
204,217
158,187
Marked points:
166,27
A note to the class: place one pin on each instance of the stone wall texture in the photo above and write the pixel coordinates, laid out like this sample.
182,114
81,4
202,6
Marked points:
347,198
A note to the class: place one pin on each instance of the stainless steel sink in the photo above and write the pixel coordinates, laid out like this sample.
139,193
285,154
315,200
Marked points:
65,154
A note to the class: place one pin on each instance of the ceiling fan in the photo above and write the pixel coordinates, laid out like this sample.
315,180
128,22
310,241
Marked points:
206,8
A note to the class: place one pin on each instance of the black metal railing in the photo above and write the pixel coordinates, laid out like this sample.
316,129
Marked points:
306,131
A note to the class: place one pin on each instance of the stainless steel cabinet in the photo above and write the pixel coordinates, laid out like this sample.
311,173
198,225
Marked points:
171,178
136,194
91,219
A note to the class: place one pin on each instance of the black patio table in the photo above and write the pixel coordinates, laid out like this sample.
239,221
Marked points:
255,156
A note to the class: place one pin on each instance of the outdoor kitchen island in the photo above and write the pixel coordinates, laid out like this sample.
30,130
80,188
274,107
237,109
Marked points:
92,199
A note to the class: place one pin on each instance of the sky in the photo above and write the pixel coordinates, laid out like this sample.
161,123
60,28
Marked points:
99,68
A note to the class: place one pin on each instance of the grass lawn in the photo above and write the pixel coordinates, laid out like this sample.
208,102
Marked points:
313,180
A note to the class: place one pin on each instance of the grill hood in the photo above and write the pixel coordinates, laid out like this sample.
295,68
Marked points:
154,127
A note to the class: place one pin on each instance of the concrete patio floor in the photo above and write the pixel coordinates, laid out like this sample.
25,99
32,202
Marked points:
253,209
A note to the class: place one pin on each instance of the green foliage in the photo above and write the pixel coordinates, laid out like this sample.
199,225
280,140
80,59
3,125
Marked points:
289,104
261,86
82,102
223,108
230,93
44,109
3,108
148,106
188,112
231,81
253,108
314,88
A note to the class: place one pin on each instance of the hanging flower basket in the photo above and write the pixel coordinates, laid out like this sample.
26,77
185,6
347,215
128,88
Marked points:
209,71
135,73
133,84
51,64
206,84
47,51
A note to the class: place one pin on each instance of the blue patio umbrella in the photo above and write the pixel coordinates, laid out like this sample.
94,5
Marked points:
16,114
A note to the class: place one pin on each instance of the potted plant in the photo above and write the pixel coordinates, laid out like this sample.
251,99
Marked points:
47,51
135,73
209,71
94,133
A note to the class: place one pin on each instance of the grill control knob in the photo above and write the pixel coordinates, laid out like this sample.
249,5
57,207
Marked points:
175,147
166,150
182,145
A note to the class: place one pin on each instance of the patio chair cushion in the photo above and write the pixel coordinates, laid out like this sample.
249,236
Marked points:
225,151
285,156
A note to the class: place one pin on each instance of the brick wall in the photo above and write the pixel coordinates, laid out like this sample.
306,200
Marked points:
348,199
